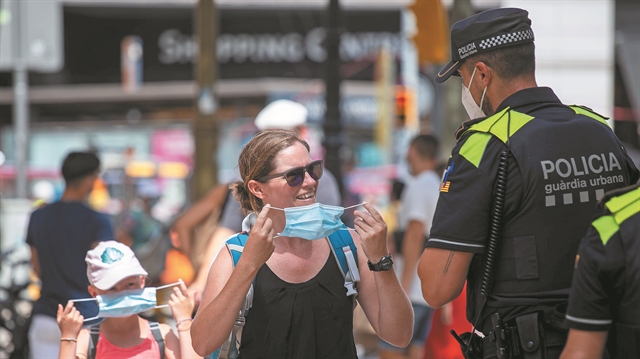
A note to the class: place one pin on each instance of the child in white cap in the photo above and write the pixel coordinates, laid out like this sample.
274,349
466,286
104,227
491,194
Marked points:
118,281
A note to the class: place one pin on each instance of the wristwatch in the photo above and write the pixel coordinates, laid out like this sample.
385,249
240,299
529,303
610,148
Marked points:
384,265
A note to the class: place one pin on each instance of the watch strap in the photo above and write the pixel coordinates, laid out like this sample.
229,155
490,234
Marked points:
379,267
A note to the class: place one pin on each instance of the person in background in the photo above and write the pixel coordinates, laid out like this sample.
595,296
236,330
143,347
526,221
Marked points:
284,115
137,226
193,232
417,205
184,227
60,234
112,269
605,293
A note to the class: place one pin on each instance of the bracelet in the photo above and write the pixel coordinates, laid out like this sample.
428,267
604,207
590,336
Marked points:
68,340
182,321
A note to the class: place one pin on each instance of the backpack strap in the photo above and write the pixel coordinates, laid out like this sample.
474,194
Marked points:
229,349
235,245
94,336
346,254
157,335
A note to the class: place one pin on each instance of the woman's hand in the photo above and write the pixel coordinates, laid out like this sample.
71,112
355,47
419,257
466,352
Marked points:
181,302
69,320
373,233
259,246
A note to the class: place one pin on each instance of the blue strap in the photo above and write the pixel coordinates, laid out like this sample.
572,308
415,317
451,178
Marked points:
339,239
235,244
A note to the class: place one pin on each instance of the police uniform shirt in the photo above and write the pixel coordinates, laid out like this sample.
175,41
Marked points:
606,282
559,164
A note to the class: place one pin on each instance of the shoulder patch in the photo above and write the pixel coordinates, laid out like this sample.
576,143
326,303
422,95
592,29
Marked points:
583,110
624,206
444,186
473,148
606,227
503,124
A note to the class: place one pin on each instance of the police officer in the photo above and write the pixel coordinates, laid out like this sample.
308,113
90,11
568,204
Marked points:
519,191
605,293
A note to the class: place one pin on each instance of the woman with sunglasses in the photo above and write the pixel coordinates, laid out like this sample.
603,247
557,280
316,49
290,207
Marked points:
300,307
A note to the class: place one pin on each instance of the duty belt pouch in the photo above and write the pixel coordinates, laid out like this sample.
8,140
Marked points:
530,336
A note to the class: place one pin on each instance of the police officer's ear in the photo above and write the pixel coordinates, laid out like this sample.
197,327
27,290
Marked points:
484,73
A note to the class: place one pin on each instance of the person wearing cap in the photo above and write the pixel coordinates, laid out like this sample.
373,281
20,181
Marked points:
605,293
60,234
279,114
112,268
525,173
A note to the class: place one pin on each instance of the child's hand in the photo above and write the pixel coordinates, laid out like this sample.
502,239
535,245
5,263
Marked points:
69,320
181,303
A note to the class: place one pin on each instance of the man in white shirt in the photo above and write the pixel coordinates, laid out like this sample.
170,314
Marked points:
418,203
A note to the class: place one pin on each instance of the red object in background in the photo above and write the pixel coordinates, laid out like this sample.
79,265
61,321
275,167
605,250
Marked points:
441,344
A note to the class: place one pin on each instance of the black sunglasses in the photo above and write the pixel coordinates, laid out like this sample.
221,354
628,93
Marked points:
295,176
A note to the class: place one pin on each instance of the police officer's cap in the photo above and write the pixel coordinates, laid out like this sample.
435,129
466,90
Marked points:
486,31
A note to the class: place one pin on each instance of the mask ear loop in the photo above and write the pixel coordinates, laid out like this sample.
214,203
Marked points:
354,206
482,99
167,286
279,209
87,300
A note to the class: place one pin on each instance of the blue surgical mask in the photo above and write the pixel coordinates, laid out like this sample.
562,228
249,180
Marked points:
312,222
126,303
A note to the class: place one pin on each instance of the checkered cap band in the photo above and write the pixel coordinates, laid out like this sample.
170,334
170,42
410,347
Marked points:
506,39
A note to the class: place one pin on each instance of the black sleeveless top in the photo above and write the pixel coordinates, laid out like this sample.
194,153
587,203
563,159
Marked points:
307,320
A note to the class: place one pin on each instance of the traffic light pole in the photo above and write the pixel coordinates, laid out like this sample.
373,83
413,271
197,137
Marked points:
332,123
20,102
205,127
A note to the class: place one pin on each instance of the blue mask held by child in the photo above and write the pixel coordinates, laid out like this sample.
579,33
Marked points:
126,303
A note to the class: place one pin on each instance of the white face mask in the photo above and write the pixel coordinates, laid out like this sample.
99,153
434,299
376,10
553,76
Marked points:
473,110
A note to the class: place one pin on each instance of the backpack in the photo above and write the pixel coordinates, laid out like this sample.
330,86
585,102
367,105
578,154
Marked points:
344,251
94,336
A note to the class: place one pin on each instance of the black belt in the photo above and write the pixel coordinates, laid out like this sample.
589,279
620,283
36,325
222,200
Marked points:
521,338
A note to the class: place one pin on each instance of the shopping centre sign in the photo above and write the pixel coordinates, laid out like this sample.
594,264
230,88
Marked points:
251,43
176,47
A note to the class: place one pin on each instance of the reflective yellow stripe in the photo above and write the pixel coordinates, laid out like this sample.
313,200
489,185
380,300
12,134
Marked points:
606,227
474,146
617,203
486,124
582,111
624,206
626,212
504,121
